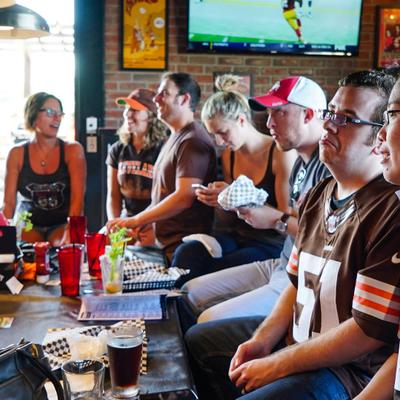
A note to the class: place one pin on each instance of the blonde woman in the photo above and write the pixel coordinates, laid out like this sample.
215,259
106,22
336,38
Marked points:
131,160
227,116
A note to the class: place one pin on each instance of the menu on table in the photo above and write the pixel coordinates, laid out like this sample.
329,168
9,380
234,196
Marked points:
122,307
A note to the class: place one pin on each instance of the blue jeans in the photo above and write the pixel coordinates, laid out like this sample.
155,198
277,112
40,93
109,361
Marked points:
211,345
194,256
321,384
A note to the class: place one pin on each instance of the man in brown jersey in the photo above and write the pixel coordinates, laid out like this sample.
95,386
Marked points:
333,322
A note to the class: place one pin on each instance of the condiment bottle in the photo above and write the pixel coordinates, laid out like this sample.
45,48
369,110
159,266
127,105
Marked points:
42,260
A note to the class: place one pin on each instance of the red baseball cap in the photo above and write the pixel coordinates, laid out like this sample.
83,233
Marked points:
295,89
139,99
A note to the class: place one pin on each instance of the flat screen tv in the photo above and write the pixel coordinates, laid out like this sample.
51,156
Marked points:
316,27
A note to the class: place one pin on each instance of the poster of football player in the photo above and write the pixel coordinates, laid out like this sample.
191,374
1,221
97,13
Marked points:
388,37
144,34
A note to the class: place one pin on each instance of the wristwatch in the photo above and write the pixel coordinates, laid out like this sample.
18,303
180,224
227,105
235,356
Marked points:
281,224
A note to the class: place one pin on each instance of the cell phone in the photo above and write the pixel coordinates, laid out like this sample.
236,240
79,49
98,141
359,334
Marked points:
198,186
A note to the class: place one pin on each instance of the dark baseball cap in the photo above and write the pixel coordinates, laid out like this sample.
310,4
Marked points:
139,99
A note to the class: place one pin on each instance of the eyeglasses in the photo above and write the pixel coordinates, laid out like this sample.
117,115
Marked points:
52,113
343,120
388,116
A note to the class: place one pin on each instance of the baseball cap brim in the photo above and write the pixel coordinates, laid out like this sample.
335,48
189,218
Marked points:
123,101
261,103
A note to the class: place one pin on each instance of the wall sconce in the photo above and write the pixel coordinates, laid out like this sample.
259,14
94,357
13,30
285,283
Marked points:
19,22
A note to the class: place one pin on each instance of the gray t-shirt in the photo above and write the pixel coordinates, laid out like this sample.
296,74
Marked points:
303,177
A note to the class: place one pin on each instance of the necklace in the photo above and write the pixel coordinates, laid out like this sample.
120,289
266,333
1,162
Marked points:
43,161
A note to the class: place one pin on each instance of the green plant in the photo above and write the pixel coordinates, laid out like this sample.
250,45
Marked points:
117,243
24,221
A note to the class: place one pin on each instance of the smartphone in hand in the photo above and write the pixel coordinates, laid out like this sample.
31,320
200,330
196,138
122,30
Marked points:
198,186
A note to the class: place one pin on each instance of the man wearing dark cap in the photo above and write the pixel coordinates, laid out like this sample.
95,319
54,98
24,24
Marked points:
252,289
187,158
330,329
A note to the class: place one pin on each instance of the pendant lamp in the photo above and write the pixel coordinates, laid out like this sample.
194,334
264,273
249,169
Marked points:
19,22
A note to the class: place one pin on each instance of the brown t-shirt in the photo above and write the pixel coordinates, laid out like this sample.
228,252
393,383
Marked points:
344,265
188,153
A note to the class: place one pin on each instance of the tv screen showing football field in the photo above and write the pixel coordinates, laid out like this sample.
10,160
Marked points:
315,27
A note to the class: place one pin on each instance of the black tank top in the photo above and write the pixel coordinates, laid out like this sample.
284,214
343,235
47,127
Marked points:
47,197
267,182
227,222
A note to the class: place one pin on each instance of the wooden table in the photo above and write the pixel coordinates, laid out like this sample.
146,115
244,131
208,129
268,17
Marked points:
38,308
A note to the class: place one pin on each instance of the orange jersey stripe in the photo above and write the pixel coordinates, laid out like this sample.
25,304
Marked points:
378,292
376,306
293,266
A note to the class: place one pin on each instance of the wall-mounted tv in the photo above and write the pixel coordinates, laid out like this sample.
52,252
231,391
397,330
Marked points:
309,27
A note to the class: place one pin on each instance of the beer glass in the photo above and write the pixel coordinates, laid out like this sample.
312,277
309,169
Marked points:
124,347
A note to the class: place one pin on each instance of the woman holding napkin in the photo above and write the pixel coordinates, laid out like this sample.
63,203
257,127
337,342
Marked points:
246,151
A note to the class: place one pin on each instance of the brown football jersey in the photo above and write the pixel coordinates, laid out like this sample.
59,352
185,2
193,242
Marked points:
345,264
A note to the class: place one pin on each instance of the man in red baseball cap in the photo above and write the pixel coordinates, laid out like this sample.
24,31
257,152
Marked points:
294,89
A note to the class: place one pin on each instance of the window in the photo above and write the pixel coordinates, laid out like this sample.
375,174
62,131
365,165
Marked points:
29,66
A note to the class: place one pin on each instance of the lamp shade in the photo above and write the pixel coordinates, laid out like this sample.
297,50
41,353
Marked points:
19,22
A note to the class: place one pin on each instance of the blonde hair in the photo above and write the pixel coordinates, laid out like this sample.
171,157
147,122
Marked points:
228,101
156,132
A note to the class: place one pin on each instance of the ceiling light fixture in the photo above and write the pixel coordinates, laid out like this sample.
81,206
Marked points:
19,22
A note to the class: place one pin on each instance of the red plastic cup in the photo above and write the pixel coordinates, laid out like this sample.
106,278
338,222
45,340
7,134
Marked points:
77,229
70,258
95,247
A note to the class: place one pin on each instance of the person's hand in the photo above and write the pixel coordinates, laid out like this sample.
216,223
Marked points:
263,217
249,350
118,223
257,373
209,196
145,236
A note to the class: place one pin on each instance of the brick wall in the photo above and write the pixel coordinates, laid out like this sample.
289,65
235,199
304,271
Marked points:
264,68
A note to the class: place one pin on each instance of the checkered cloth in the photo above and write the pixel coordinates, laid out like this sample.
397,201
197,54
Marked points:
143,275
242,193
56,347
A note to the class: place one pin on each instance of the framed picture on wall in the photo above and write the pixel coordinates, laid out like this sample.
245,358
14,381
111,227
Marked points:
144,26
245,85
387,36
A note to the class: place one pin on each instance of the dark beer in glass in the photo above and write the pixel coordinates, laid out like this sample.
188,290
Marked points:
125,355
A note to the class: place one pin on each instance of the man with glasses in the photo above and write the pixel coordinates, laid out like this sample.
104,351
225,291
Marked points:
187,158
252,289
331,323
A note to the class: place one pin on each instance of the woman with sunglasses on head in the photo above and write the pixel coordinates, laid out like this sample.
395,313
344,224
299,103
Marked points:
131,159
46,174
